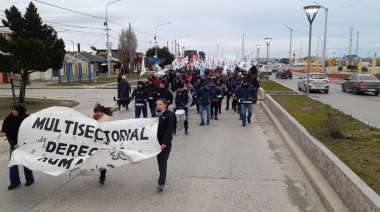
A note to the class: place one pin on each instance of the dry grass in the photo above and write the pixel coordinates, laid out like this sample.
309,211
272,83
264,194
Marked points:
33,105
358,149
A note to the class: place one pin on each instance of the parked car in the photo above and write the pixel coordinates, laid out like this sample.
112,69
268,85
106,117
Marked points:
274,68
317,82
360,83
285,73
264,70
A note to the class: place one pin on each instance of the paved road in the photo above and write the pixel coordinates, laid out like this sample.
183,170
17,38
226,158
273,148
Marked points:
364,107
221,167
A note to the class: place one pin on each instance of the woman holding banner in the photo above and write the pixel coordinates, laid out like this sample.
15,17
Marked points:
164,137
11,126
102,114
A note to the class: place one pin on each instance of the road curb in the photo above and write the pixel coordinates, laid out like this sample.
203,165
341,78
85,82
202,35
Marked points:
329,197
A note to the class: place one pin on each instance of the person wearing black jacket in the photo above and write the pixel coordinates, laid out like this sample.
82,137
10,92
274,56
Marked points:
163,93
140,94
152,88
124,89
164,137
256,84
182,100
229,83
245,92
11,126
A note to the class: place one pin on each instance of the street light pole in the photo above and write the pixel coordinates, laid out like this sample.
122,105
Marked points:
178,43
108,46
290,52
267,41
311,12
155,36
258,52
217,50
324,39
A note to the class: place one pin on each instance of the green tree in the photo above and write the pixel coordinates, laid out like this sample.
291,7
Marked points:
162,53
33,46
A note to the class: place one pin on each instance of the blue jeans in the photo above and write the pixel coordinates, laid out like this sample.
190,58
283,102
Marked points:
14,176
138,109
201,109
244,107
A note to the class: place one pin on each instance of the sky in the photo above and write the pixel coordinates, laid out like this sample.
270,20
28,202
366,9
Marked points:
216,27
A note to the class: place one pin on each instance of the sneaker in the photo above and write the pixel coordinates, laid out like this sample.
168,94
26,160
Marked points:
216,118
28,183
10,187
174,132
160,187
208,122
243,125
186,132
202,123
249,121
101,180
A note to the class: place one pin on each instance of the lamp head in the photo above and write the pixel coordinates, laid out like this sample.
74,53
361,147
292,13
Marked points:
267,40
311,11
258,46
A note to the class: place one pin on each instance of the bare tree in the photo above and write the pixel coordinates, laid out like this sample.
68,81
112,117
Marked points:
127,48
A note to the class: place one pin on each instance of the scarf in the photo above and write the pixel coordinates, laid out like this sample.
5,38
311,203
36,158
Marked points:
160,112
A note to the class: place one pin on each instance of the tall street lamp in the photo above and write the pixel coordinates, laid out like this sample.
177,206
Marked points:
324,40
155,36
108,45
290,52
178,43
258,52
217,50
267,41
311,11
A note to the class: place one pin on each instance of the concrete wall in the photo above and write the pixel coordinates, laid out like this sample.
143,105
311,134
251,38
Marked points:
354,192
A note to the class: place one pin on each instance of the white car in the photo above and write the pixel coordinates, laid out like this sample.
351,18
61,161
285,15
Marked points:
317,82
265,70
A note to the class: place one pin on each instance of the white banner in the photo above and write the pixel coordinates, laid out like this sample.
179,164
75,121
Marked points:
143,69
59,140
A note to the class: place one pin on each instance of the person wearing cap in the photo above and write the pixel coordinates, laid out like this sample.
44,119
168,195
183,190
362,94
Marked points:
182,100
140,95
245,93
204,95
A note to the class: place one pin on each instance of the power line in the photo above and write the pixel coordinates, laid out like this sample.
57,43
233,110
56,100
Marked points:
61,24
349,5
70,10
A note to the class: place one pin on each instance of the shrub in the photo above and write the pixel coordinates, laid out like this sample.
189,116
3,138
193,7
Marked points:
340,68
334,125
352,67
364,69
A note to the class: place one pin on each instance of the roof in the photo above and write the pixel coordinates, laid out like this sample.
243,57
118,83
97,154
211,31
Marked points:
89,56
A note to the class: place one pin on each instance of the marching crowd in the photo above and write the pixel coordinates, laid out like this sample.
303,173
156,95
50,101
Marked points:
178,90
184,88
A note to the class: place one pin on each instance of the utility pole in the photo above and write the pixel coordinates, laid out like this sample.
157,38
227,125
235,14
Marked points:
352,28
242,51
357,42
324,39
130,47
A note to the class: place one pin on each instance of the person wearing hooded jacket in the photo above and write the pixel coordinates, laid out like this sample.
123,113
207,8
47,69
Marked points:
124,89
140,95
245,93
11,126
152,88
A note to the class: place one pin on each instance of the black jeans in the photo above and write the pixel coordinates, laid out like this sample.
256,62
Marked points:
214,109
162,160
152,107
